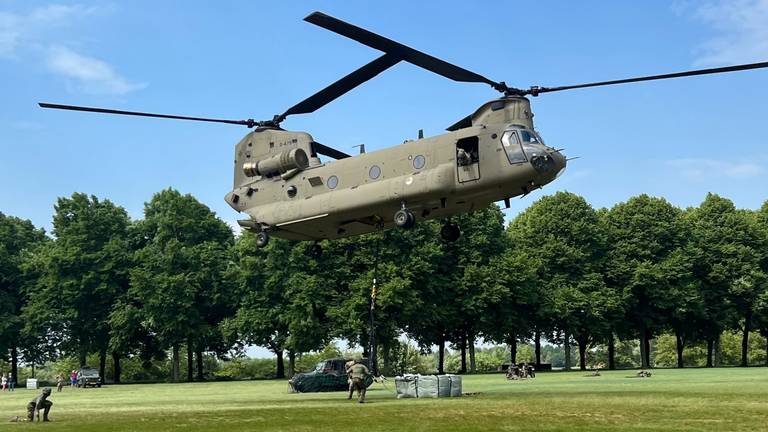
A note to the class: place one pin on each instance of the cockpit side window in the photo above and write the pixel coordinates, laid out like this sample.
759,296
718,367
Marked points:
511,143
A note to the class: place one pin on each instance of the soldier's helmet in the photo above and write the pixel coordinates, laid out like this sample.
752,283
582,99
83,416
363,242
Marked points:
47,391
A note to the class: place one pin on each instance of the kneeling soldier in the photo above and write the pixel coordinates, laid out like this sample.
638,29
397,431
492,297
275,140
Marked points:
40,403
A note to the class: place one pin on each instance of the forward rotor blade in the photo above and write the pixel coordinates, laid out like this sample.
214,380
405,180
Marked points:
406,53
538,90
342,86
250,122
328,151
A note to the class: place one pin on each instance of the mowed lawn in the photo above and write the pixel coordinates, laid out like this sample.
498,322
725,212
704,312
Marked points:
728,399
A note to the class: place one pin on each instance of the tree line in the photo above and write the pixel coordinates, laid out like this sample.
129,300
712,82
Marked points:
561,271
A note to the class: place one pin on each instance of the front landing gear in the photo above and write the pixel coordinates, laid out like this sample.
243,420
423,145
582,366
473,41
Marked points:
262,238
404,218
450,232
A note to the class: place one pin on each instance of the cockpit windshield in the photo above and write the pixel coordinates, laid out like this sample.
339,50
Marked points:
528,138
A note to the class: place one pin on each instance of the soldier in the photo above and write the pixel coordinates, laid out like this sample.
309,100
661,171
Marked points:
347,366
40,403
358,372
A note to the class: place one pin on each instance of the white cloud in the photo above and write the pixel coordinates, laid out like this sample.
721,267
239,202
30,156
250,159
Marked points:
741,28
89,74
701,169
29,35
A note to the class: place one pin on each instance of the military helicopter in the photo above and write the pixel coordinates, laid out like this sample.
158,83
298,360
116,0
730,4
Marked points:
492,155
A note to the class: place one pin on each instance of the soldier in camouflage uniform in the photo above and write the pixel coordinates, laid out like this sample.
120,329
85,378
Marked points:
40,403
357,372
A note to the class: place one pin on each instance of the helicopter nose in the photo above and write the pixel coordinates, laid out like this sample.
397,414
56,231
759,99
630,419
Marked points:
547,161
560,162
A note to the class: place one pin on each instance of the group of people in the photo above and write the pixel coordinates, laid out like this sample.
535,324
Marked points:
8,382
61,379
522,371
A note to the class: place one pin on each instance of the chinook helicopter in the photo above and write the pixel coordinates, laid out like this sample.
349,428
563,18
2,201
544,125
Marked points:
492,155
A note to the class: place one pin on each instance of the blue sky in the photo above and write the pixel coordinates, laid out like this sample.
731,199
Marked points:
678,139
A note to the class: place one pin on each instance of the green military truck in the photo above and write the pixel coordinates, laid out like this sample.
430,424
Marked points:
328,375
87,376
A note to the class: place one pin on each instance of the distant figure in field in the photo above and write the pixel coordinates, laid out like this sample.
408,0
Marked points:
644,374
41,402
73,379
59,382
358,372
11,382
4,382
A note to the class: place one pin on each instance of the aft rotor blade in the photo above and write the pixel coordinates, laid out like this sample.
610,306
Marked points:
249,122
342,86
328,151
408,54
538,90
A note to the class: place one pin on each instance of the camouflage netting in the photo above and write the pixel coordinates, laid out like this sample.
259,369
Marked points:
428,386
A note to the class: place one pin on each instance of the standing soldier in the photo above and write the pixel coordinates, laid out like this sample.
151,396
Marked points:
357,372
40,403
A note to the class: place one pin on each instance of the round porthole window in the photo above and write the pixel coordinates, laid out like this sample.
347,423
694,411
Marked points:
291,191
332,182
419,162
374,172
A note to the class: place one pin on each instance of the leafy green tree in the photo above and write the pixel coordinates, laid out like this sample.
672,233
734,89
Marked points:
80,275
726,266
645,264
180,274
17,238
563,231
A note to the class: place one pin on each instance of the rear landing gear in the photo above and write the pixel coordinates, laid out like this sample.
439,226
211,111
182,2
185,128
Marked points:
450,232
262,238
404,218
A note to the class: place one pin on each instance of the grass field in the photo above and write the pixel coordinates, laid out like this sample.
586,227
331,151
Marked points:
673,400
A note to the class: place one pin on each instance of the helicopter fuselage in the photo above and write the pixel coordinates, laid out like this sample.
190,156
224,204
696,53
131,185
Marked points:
498,157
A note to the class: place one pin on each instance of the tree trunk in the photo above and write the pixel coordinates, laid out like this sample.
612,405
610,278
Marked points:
537,346
513,349
291,363
472,367
718,352
190,362
582,340
82,358
102,364
175,363
386,353
280,365
648,349
680,347
463,369
199,358
611,352
33,370
567,349
15,363
745,339
441,356
117,370
643,347
710,350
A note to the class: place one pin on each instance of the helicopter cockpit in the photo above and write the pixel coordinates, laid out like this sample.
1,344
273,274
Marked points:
524,145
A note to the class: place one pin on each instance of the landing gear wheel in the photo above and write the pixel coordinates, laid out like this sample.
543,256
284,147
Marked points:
262,238
450,232
316,251
404,219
